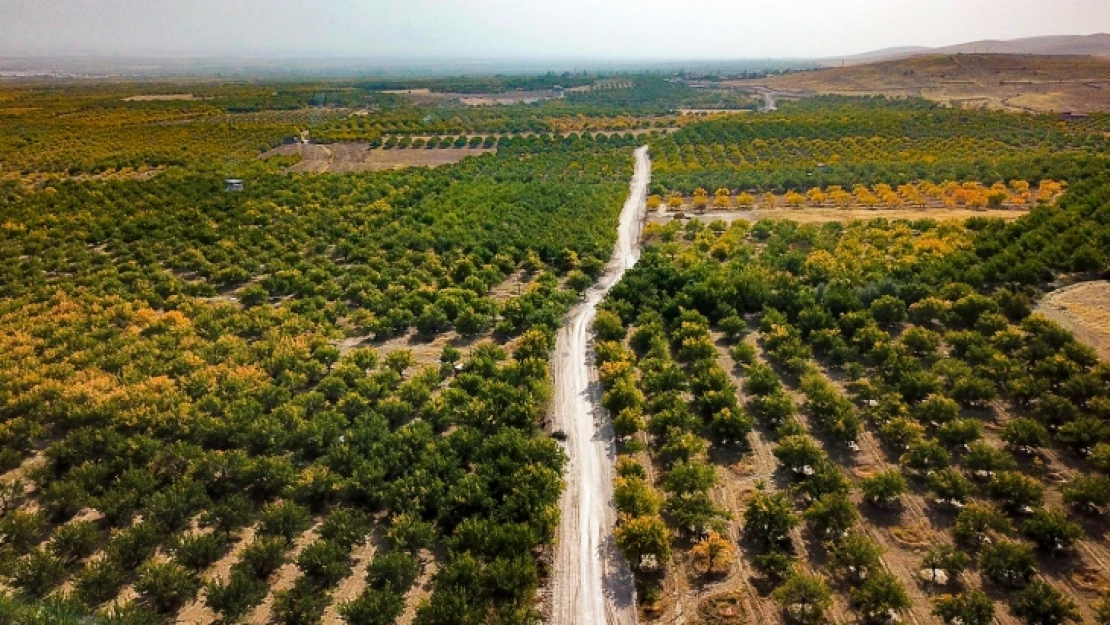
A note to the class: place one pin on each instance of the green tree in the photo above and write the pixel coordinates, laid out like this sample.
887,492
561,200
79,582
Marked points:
774,565
879,596
644,541
972,607
888,310
75,540
803,598
1051,530
975,523
856,555
1041,604
253,295
37,573
950,485
1007,562
1025,435
936,408
1016,491
832,515
982,457
578,281
374,607
608,326
884,489
768,518
394,570
285,519
960,432
798,452
1088,492
635,497
233,597
926,455
167,585
945,558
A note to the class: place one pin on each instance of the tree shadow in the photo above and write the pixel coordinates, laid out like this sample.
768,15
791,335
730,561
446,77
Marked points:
882,517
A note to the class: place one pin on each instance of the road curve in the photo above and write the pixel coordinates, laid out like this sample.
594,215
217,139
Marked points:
592,584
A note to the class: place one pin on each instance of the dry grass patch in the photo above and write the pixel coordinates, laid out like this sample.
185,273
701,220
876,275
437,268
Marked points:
1084,309
727,608
912,537
1091,579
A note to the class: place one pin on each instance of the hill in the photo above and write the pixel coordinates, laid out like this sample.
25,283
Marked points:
1056,45
1018,82
1065,45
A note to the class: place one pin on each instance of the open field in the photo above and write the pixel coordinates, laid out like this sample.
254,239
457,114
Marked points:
1083,308
350,157
994,81
162,97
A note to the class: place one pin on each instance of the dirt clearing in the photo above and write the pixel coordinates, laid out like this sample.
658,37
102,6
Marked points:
163,97
350,157
1084,309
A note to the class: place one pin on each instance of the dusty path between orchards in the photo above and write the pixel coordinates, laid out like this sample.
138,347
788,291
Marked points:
592,583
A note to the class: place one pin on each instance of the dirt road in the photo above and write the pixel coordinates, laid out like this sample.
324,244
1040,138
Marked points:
592,583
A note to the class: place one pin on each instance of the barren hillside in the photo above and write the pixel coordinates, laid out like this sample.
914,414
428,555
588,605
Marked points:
1068,45
1000,81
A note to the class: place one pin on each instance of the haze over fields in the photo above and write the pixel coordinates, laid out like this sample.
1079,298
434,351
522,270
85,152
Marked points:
501,29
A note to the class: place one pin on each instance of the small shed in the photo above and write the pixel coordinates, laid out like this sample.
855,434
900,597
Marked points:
1072,116
233,185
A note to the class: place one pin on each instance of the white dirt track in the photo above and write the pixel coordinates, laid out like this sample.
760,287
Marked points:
592,584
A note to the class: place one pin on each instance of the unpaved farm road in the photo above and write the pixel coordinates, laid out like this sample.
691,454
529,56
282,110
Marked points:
592,584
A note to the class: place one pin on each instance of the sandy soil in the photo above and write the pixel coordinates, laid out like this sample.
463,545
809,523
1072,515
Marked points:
592,583
1084,309
348,157
420,590
825,215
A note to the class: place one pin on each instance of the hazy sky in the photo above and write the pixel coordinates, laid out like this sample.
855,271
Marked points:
610,29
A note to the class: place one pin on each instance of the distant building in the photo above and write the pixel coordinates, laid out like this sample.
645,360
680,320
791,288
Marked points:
233,185
1072,116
